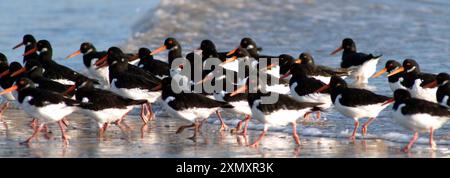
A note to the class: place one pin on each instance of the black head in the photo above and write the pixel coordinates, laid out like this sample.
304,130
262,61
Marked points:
14,66
23,83
285,58
207,45
401,95
171,43
348,45
28,40
306,58
392,65
442,78
248,43
337,82
33,66
3,59
144,53
411,66
87,47
44,46
116,56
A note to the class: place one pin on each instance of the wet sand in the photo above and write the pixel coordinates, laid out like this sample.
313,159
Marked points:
159,140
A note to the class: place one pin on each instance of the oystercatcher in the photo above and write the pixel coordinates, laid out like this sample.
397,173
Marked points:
443,91
44,105
318,72
131,82
365,64
174,48
275,111
418,115
415,80
355,103
90,57
250,45
303,87
395,80
34,71
192,107
53,70
156,67
30,43
105,106
5,82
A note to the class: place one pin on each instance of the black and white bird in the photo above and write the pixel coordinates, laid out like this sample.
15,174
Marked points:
53,70
418,115
29,42
44,105
105,106
90,57
395,79
303,87
274,109
132,82
443,91
5,82
318,72
355,103
174,48
364,65
415,80
192,107
158,68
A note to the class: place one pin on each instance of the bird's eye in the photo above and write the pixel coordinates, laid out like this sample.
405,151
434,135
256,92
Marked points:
170,41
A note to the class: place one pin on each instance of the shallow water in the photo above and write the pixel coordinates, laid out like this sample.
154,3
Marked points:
417,29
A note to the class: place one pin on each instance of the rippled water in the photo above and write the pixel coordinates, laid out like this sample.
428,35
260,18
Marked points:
417,29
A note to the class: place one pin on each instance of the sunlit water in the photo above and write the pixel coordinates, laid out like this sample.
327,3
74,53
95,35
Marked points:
397,29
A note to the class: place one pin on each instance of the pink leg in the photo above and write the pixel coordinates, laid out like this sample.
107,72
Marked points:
223,126
256,143
432,143
238,127
318,115
3,108
411,143
35,133
365,125
34,123
151,115
354,131
196,130
247,119
307,116
64,135
294,133
143,116
66,122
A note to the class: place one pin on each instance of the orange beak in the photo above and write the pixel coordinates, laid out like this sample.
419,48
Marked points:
158,50
286,75
388,101
242,89
431,85
323,88
401,69
232,51
5,73
298,61
158,87
70,89
382,71
229,60
336,50
31,51
20,71
76,53
101,61
8,90
269,67
134,57
18,45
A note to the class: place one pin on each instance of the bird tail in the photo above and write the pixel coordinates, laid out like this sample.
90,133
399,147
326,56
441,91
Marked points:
226,105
